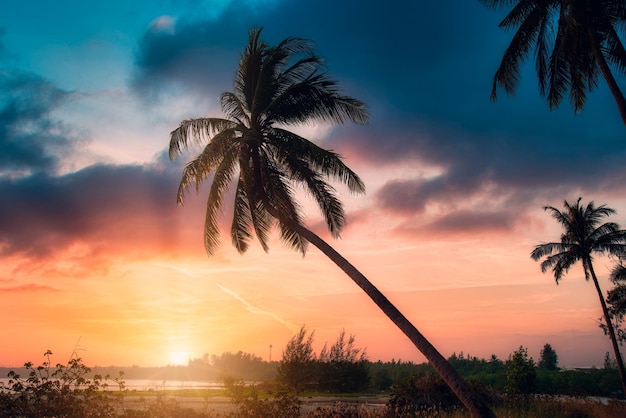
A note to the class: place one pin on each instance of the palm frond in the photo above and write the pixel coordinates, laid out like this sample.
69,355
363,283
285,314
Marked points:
284,208
324,194
560,263
201,167
262,223
615,51
199,131
531,20
221,181
235,109
316,98
547,249
242,219
321,160
618,274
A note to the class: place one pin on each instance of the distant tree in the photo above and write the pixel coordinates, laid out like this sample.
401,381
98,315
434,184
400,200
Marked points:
343,350
521,376
574,41
548,359
343,366
609,362
297,367
583,237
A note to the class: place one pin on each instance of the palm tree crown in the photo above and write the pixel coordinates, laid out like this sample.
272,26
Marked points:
273,87
583,236
574,41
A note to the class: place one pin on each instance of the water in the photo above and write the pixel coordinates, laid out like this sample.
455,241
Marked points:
150,384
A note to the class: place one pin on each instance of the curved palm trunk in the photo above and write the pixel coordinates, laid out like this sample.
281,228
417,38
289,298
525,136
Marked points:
608,76
609,325
461,389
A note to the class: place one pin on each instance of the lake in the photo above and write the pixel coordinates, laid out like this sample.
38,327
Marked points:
149,384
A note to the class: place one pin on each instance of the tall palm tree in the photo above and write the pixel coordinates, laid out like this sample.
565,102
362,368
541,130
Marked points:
584,235
277,86
573,41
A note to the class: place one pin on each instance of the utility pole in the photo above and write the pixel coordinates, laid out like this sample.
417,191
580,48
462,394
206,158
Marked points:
270,353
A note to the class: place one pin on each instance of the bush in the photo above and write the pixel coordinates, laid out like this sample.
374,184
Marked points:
63,391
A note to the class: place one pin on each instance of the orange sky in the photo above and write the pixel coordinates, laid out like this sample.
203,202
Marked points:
96,257
138,300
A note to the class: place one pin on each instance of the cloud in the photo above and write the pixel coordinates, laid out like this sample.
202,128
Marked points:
117,207
28,288
474,223
31,138
258,311
491,168
427,84
197,57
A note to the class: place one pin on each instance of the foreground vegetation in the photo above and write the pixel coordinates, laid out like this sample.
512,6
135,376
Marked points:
396,389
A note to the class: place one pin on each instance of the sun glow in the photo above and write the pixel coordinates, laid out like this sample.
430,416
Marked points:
179,358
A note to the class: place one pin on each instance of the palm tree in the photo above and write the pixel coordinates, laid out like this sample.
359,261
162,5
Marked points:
573,41
584,236
278,86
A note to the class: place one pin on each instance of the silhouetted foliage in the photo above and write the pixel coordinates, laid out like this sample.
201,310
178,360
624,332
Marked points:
297,367
250,404
59,391
548,359
423,393
574,41
343,367
521,376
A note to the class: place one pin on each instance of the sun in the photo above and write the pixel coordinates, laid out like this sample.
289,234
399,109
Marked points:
179,358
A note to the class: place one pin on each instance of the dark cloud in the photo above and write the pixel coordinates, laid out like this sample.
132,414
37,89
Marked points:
197,56
425,69
99,205
31,138
476,222
488,166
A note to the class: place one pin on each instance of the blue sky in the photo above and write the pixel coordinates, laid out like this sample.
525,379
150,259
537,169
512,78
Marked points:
90,91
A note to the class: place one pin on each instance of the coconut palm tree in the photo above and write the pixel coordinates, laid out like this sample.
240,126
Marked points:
584,236
573,41
277,86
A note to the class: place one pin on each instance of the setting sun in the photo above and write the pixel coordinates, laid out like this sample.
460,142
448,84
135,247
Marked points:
179,358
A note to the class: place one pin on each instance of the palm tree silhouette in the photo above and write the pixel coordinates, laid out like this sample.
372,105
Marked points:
584,236
573,41
278,86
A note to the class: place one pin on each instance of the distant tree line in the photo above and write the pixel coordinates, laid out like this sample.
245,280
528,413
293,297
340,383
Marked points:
344,368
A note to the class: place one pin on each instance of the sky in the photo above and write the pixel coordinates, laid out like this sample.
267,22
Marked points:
96,257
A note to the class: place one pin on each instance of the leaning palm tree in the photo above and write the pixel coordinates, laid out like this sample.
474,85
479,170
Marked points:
584,235
276,86
573,41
